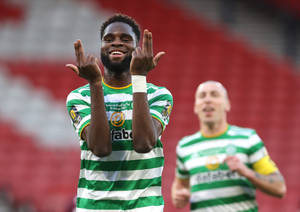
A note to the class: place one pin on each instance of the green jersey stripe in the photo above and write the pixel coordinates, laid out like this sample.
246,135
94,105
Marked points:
76,102
122,165
120,204
255,148
221,201
144,174
124,185
221,184
121,145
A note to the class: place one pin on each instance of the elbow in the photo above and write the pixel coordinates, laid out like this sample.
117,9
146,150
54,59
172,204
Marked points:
102,153
140,147
281,192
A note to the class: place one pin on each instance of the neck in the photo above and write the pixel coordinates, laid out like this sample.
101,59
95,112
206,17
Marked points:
117,79
212,129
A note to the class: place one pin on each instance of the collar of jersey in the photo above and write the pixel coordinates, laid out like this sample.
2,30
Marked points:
118,88
217,134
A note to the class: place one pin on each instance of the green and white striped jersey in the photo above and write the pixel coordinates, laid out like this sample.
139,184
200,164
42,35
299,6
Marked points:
125,180
213,186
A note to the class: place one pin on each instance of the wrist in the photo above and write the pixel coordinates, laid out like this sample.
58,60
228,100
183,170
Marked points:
95,83
139,84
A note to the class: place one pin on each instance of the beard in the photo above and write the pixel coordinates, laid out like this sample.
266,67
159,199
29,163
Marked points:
116,67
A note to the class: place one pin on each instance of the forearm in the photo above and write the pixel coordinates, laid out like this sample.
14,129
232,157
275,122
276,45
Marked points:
98,135
272,184
143,129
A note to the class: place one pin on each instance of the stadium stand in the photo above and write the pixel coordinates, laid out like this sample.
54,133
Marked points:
39,153
291,6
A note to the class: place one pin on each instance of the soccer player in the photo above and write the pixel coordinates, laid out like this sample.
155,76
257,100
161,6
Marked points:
220,166
119,118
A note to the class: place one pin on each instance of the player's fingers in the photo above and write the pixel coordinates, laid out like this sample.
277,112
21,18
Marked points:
73,68
99,64
145,40
81,51
76,52
134,53
150,45
93,59
228,158
157,57
97,61
138,51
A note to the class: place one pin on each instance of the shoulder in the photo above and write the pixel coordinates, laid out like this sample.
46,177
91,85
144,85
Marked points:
153,88
79,93
247,134
241,131
186,144
189,139
155,91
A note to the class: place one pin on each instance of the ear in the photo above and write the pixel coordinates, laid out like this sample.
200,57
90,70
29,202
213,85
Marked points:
195,109
228,106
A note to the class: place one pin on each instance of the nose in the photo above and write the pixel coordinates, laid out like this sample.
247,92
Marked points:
117,42
207,99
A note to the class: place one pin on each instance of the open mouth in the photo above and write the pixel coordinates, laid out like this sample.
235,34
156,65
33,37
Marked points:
116,53
208,109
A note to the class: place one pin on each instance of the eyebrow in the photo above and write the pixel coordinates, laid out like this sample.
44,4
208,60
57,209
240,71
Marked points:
122,34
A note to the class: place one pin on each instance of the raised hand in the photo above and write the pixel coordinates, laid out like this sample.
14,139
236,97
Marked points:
181,197
142,58
86,67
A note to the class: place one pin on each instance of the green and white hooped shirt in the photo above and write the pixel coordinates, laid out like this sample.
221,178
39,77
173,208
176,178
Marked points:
125,180
213,186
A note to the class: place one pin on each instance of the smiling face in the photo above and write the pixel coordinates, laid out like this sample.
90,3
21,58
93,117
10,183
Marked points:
118,43
211,103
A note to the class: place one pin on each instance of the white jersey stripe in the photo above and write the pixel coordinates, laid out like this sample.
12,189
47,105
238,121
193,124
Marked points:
119,195
221,193
245,205
123,155
121,175
143,209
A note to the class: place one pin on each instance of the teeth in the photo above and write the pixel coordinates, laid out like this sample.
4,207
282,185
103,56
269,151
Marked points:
116,53
208,109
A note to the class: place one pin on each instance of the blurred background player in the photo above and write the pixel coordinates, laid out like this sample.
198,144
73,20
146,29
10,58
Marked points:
251,46
220,166
119,118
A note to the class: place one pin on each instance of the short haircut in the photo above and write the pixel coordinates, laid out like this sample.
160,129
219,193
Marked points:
124,19
218,84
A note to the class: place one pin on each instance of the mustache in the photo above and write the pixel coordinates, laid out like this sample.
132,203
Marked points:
116,67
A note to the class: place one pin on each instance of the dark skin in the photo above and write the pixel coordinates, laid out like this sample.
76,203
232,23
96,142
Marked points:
118,37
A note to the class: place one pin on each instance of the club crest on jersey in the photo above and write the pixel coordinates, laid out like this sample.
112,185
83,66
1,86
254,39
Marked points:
212,162
231,149
117,119
75,116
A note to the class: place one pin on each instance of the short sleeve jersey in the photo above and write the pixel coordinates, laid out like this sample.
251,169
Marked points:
125,180
213,186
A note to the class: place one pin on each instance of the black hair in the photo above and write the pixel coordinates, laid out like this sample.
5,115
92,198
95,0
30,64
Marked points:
124,19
